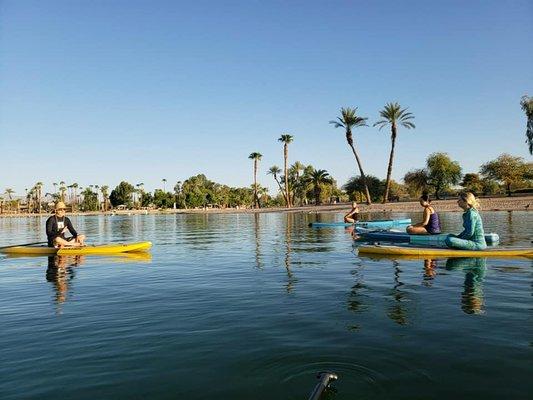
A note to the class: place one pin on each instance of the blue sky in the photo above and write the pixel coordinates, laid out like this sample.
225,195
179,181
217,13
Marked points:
96,92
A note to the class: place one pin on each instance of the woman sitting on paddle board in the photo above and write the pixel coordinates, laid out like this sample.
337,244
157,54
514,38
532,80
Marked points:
430,224
473,236
353,215
56,227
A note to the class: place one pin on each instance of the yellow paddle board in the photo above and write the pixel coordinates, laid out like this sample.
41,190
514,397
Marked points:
112,248
439,252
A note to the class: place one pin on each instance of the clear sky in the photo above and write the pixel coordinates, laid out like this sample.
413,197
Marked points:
96,92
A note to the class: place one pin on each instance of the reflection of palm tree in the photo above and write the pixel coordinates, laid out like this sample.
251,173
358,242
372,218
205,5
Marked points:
397,312
348,120
291,280
258,263
474,269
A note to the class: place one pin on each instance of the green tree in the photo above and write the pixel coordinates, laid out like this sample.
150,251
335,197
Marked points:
472,183
286,139
527,106
105,195
122,195
349,120
507,169
256,157
355,187
394,116
317,179
90,200
440,173
163,199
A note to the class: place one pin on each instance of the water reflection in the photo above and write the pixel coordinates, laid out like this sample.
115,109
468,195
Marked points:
60,273
430,271
474,268
291,279
258,263
472,300
397,311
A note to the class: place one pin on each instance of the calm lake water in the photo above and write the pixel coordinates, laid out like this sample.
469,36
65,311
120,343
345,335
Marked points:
253,306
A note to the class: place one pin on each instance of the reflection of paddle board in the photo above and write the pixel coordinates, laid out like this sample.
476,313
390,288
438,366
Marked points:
384,223
113,248
440,252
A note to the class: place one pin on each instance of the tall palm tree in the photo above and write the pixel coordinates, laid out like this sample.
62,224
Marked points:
275,171
75,188
39,193
393,115
527,106
348,120
9,192
317,179
298,185
286,139
256,157
105,193
62,190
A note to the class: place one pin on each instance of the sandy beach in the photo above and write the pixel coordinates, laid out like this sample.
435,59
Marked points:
518,203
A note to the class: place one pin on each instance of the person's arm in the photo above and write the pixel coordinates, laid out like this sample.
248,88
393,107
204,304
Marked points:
50,231
468,225
70,227
425,219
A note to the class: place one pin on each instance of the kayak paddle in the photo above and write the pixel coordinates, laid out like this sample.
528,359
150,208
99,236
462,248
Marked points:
22,245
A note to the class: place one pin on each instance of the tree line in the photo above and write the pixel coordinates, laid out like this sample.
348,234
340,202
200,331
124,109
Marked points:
301,184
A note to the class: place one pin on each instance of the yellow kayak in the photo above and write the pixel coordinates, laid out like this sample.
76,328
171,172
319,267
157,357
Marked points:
113,248
440,252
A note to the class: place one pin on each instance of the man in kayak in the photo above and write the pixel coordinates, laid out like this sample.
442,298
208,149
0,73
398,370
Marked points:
56,227
353,215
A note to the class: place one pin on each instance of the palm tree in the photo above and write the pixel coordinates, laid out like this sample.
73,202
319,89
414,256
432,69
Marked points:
298,186
39,190
164,185
275,171
75,188
256,157
9,192
55,187
318,178
286,139
62,190
348,120
527,106
105,190
393,115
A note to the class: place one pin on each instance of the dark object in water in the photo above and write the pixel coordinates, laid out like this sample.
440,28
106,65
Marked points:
325,378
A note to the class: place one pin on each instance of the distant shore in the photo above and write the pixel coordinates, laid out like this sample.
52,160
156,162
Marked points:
518,203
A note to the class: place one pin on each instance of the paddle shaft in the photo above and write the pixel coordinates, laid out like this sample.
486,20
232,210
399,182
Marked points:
324,380
22,245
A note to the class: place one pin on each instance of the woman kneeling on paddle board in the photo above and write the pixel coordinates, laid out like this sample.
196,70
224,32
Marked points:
56,227
353,214
473,235
430,224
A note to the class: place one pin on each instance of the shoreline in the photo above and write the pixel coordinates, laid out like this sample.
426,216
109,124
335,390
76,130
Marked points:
522,203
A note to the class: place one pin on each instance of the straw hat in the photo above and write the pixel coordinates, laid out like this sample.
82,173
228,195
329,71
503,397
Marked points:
60,206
